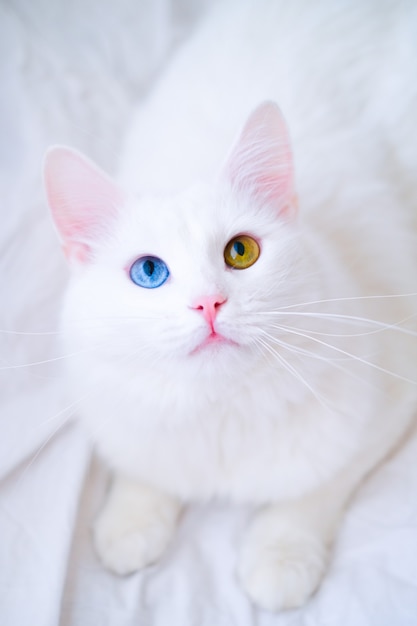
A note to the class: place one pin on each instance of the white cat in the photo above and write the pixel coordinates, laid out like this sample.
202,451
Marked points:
251,337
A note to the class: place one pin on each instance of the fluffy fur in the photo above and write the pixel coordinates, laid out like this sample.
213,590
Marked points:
314,385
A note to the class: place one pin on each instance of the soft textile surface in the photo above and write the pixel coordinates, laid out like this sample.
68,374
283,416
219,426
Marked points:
71,72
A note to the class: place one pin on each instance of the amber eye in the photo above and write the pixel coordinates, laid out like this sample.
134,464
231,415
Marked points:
241,252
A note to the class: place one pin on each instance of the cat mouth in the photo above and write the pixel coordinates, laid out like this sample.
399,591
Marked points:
214,340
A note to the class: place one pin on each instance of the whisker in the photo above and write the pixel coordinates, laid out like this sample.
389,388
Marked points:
352,356
84,324
72,410
301,351
43,362
350,318
293,371
334,362
382,328
112,318
43,446
64,410
351,298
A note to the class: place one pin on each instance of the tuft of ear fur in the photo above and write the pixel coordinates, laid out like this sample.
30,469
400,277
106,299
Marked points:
260,164
83,200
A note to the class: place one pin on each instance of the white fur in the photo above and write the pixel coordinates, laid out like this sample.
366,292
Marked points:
235,421
135,527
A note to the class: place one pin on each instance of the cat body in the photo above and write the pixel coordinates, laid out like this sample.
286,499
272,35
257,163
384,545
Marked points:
210,433
284,383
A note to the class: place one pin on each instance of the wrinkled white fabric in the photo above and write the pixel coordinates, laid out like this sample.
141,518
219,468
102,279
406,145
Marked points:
49,569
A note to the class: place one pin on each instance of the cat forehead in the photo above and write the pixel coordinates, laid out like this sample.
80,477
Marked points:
197,215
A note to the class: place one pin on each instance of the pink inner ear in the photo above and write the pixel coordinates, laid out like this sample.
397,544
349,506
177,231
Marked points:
83,200
260,164
78,252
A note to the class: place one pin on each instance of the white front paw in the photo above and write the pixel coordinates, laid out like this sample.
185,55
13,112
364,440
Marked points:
132,533
281,569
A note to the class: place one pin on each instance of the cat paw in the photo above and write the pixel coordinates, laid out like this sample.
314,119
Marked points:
129,536
281,570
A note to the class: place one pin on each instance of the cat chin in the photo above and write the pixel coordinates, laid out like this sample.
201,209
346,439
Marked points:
215,342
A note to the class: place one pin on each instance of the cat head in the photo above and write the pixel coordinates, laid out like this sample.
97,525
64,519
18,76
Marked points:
187,277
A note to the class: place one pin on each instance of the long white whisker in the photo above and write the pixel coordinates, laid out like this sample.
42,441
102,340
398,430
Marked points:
299,350
382,326
44,444
43,362
293,371
334,362
352,356
380,297
64,410
84,324
72,408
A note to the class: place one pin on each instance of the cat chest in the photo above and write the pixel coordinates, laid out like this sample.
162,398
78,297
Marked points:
237,451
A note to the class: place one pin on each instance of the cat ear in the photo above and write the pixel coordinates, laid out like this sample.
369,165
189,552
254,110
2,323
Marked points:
83,200
260,165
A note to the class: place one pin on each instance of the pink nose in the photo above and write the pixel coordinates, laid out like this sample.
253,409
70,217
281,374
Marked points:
209,306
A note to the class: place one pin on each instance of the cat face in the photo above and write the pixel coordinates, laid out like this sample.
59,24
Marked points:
185,277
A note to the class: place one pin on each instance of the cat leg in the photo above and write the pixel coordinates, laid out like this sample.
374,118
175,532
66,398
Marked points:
286,549
135,526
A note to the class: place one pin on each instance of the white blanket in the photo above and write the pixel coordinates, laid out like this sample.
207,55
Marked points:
70,72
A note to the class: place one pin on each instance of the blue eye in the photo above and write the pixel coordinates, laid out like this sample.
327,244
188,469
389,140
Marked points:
149,272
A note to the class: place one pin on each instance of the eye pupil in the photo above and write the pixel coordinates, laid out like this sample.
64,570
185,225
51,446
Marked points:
149,267
239,248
